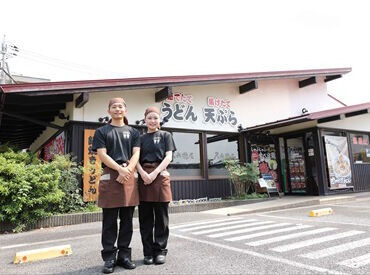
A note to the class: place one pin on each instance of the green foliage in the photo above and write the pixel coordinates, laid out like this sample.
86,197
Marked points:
243,175
26,189
69,185
91,207
31,189
249,196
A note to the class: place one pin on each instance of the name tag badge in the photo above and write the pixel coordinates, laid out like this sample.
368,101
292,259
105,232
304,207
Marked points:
165,173
105,177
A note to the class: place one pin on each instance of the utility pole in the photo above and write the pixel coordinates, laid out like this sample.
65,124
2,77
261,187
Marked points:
2,65
7,51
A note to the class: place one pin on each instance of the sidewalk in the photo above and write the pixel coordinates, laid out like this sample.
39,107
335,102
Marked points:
287,202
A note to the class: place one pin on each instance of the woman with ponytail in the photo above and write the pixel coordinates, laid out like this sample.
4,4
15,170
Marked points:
154,187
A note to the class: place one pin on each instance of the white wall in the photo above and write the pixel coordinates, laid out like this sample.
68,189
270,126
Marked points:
281,99
356,123
273,100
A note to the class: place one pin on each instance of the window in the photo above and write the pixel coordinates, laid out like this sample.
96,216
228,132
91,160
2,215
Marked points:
360,148
219,148
186,159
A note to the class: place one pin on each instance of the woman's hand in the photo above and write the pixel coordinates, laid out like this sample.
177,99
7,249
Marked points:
147,180
153,175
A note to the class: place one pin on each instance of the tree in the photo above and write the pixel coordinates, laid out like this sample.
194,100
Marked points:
242,175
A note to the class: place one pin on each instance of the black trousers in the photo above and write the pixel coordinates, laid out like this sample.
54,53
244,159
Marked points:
154,215
110,230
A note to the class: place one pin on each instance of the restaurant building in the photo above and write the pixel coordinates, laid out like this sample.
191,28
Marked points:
303,140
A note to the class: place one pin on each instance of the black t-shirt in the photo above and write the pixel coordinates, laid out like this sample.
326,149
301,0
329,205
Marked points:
154,146
118,141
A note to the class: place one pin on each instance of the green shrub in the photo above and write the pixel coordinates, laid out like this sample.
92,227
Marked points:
249,196
31,189
91,207
27,190
242,175
69,185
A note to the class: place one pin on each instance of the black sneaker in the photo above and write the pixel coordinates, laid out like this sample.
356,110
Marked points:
126,263
109,266
148,260
160,259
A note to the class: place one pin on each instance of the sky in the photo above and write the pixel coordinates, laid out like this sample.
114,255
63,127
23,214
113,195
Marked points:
80,40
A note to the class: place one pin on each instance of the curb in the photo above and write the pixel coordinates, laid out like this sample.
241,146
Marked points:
79,218
58,220
296,205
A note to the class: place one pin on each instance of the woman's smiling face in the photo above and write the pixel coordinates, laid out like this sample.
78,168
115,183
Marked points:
152,121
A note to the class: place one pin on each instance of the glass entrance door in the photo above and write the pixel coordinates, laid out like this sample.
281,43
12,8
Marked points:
296,167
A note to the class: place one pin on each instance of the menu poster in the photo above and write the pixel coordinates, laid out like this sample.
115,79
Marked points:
264,158
338,162
269,181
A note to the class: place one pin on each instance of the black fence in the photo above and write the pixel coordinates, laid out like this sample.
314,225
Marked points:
194,189
361,177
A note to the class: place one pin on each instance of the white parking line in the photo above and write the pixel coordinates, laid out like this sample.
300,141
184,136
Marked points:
290,236
311,220
352,206
270,232
247,230
50,241
262,256
336,249
246,224
206,222
292,246
357,262
211,225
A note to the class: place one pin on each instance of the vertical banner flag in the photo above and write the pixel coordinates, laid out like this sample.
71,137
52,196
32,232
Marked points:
92,165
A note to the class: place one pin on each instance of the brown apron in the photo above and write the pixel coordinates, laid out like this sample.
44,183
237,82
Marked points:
159,190
114,194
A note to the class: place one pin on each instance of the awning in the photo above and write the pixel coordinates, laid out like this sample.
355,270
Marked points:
320,117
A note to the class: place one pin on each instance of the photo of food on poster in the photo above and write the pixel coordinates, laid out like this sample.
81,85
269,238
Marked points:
338,162
264,157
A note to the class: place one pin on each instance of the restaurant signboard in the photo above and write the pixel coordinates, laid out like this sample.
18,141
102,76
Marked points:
92,166
182,108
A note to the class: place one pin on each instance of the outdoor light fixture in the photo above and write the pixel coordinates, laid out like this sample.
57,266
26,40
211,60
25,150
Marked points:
165,120
304,110
63,116
140,122
240,128
104,119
